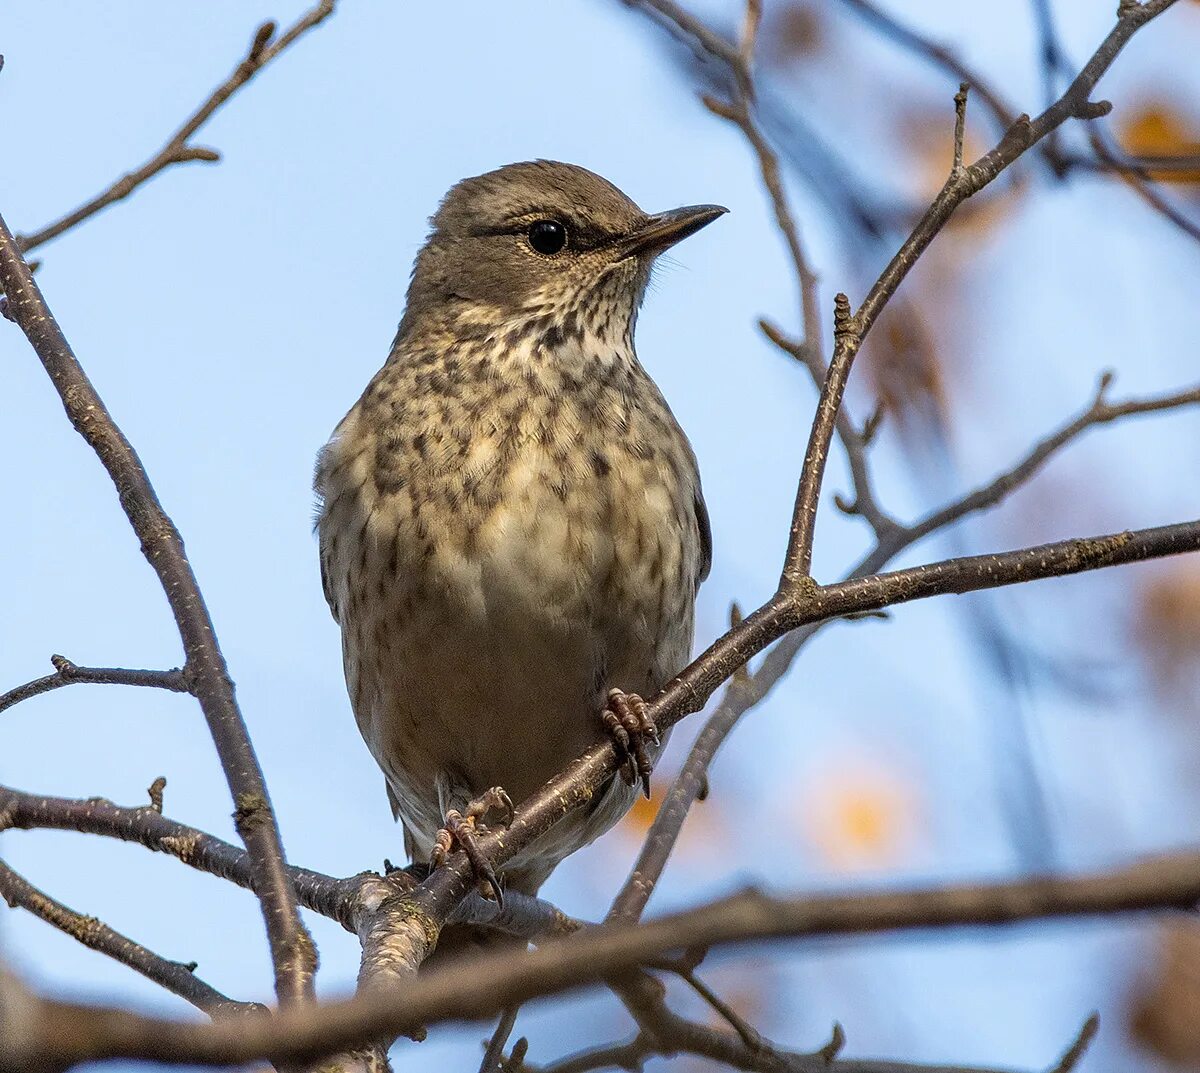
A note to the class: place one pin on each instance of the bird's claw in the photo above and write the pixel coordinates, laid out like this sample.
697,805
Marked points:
629,725
462,828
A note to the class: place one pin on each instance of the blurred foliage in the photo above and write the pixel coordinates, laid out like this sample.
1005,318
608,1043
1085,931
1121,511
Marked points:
1167,628
1158,127
1164,1014
862,812
795,31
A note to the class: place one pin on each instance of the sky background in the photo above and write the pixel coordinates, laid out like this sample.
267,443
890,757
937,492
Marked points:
230,315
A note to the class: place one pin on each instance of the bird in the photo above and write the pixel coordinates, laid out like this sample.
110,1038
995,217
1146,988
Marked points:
511,526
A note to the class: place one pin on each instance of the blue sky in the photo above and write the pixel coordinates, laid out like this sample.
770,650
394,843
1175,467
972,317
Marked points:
229,316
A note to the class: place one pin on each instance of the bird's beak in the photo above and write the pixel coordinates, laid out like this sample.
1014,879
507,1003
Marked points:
665,229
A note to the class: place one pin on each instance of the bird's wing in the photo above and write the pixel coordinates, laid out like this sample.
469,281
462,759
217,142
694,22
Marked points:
322,504
706,544
327,587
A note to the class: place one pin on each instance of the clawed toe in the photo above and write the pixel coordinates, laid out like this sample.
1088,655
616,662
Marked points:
628,723
462,828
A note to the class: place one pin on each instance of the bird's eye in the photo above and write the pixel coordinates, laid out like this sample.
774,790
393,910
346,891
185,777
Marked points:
547,236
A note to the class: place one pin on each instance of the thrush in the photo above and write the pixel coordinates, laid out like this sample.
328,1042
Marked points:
511,525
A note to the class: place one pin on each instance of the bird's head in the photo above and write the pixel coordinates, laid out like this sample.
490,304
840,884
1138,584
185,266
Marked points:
543,238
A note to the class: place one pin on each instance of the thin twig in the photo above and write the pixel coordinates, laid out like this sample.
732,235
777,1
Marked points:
177,977
1078,1048
960,128
494,1052
1053,61
67,673
740,112
177,149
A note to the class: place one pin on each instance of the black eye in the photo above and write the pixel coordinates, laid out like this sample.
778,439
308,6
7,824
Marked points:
547,236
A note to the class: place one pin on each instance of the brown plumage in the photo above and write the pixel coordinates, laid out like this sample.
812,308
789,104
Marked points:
511,520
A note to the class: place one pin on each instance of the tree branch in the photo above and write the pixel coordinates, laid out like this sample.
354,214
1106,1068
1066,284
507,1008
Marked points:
399,926
892,537
482,986
740,112
67,673
850,330
175,976
264,47
291,947
148,827
343,900
745,691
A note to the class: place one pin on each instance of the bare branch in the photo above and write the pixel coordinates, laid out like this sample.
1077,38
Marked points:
1076,1051
960,128
689,29
740,112
178,978
67,673
148,827
483,986
343,900
177,149
291,947
747,690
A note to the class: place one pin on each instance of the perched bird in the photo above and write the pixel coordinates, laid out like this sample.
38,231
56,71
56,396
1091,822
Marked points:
511,525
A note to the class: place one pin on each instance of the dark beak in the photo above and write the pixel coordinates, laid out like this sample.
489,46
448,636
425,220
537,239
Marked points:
665,229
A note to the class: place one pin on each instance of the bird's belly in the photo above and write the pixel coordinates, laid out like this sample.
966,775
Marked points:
482,634
487,659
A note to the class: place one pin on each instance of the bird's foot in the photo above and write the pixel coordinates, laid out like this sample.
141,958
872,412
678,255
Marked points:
462,828
630,727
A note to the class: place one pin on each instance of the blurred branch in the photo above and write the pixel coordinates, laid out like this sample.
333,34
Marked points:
1136,172
704,41
264,47
739,111
292,951
482,986
1050,53
939,55
67,673
175,976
